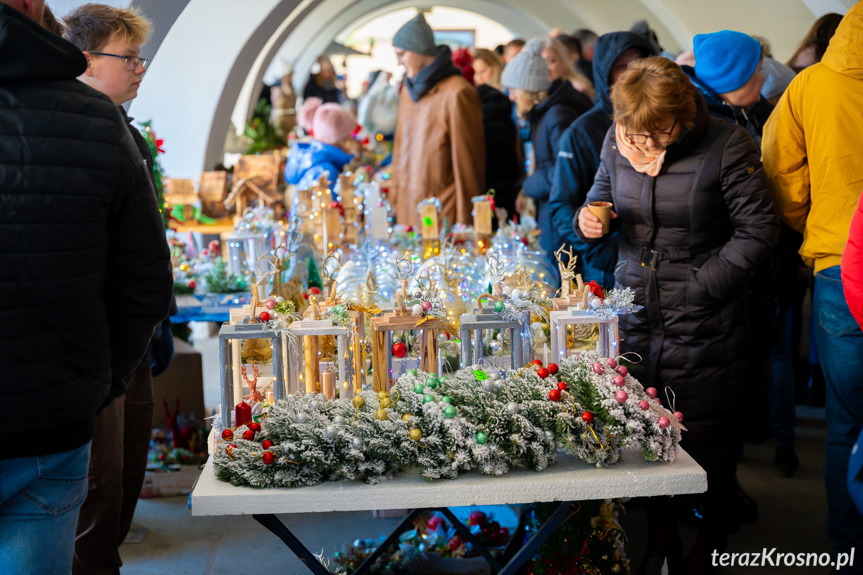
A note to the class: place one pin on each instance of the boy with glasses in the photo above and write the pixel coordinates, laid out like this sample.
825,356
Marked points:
111,40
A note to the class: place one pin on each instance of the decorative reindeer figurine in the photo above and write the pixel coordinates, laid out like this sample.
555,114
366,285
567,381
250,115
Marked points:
329,277
567,270
405,268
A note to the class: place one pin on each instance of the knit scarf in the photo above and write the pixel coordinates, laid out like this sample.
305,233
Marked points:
641,162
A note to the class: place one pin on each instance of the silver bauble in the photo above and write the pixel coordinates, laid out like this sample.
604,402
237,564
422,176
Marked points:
513,407
496,347
357,443
302,418
497,385
316,405
331,432
549,435
486,385
338,420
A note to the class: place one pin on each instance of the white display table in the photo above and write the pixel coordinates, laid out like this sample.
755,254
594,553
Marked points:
570,480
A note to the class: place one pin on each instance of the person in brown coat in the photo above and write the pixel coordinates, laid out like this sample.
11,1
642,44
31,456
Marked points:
439,148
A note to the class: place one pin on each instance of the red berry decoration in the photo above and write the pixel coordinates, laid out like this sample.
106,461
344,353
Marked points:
268,458
679,416
315,290
227,435
554,395
612,363
621,369
266,444
542,372
305,296
619,381
553,368
587,417
644,405
650,392
264,316
399,349
598,368
254,426
561,385
537,362
409,229
192,284
478,518
248,435
434,521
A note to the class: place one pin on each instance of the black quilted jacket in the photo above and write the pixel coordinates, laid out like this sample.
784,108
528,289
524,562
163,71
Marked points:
710,219
84,267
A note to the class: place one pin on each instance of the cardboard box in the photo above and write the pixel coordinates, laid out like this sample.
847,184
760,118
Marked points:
178,480
183,380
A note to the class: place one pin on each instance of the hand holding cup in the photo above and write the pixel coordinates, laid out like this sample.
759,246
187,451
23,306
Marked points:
594,221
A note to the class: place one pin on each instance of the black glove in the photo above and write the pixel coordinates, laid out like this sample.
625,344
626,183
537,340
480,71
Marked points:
162,347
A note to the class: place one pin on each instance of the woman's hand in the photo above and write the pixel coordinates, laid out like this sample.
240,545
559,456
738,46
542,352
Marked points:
590,225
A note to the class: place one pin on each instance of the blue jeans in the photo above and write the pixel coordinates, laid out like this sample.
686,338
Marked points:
840,347
781,394
39,502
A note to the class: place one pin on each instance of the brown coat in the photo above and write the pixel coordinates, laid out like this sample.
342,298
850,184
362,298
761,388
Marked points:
439,151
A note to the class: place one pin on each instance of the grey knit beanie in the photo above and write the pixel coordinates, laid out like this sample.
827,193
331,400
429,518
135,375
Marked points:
528,70
416,36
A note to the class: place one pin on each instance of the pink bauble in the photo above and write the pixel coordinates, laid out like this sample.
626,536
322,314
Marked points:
679,416
650,392
644,405
621,369
619,381
621,396
664,423
598,368
427,305
270,304
612,363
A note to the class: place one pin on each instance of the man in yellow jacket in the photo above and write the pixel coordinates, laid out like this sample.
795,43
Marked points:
813,154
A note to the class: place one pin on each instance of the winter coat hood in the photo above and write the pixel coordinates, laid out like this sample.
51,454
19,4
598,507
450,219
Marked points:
608,48
306,156
845,53
28,58
427,78
563,94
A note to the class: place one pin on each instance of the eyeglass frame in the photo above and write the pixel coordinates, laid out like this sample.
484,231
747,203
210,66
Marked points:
144,62
654,135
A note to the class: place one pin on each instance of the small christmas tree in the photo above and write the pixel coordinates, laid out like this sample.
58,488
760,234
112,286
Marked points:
156,149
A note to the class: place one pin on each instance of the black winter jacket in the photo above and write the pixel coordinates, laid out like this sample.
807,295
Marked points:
578,160
548,120
86,269
503,170
710,219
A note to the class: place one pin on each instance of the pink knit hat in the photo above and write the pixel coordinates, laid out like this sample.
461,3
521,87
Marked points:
332,124
307,113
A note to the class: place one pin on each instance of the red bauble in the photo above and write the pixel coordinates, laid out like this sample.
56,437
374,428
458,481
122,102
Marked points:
266,444
650,392
644,405
248,435
399,349
503,534
227,435
542,372
268,458
264,316
619,381
409,229
315,290
305,296
454,543
587,417
664,422
553,368
621,369
254,426
598,368
525,241
434,521
679,416
205,253
192,284
537,362
554,395
621,396
561,385
478,518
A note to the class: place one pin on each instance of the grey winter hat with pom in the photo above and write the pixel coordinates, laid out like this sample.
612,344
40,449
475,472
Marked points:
528,70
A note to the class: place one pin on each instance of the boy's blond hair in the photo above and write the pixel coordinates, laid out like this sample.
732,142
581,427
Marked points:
92,26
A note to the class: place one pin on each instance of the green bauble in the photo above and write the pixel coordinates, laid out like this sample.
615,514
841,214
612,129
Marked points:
428,398
499,306
418,388
339,309
413,372
481,437
451,412
442,379
446,399
433,375
432,383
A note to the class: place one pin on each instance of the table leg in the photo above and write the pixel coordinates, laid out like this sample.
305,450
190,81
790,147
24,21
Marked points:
465,534
272,523
405,525
564,512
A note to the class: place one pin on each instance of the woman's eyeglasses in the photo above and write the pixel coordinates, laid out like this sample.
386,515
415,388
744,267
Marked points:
130,63
658,137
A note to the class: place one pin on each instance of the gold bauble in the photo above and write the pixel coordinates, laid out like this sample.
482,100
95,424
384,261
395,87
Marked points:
615,568
381,414
415,434
386,402
382,395
358,401
184,267
406,417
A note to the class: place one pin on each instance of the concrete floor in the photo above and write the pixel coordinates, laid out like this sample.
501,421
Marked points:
793,517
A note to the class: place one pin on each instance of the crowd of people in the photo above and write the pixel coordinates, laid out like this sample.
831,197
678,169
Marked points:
732,179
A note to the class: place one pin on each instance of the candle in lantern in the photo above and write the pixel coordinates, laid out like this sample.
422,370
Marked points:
545,354
328,382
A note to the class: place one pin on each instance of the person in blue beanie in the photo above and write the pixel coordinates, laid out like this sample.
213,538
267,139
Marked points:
578,157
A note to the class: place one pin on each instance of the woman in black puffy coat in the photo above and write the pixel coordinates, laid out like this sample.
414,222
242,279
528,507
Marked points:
696,215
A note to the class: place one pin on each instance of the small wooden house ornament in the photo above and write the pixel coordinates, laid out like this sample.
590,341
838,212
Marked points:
180,192
256,180
212,191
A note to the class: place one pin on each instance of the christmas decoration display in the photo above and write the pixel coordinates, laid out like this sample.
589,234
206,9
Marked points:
146,128
494,425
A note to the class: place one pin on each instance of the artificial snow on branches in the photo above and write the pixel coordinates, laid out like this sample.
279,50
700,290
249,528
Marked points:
476,420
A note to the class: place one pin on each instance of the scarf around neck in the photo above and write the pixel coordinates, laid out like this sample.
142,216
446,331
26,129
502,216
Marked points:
640,161
427,78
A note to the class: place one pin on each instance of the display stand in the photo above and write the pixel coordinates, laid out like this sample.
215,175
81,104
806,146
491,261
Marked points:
569,480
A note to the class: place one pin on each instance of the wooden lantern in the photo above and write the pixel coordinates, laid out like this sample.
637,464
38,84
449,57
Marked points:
212,190
609,334
179,192
472,326
304,366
